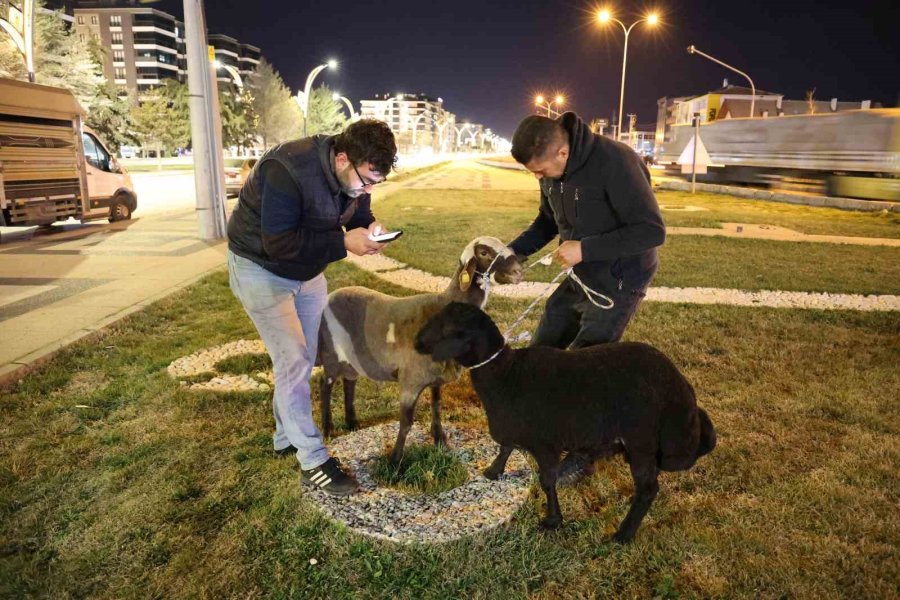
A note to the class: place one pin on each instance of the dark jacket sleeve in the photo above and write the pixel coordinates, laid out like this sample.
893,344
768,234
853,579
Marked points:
283,234
631,197
363,216
541,231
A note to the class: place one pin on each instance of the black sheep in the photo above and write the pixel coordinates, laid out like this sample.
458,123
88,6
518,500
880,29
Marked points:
599,401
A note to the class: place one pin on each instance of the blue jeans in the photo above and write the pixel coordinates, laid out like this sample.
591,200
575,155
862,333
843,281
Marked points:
286,314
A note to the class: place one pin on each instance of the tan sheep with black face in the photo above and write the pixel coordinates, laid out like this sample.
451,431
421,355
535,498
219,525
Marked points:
370,334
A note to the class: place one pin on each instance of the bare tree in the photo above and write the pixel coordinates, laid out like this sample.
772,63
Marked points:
811,100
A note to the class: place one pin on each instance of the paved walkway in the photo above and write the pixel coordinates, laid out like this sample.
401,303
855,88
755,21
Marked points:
58,288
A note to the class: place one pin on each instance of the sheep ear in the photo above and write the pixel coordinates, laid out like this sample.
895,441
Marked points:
448,349
467,275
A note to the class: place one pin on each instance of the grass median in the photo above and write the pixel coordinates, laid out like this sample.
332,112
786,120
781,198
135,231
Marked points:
438,224
118,482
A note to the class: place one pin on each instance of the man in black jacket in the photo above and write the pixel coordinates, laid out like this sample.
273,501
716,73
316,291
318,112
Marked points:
596,195
305,205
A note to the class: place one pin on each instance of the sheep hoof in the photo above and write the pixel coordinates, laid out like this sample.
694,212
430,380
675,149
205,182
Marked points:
550,523
492,474
622,538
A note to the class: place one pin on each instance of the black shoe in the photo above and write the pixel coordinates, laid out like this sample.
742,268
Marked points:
282,452
573,469
330,478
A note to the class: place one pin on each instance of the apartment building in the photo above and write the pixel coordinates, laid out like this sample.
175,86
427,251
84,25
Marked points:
419,122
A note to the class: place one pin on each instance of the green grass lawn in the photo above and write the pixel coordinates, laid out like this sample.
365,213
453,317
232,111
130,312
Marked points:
806,219
438,224
117,482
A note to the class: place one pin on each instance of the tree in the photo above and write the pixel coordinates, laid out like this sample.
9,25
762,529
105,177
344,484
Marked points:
325,115
110,117
811,101
239,120
279,117
63,60
109,114
161,120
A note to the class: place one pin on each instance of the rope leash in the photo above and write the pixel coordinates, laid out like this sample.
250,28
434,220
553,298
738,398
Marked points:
588,292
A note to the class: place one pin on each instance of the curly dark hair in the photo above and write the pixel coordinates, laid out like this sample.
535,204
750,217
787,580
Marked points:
369,141
534,136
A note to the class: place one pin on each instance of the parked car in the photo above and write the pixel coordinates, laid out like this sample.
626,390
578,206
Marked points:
236,172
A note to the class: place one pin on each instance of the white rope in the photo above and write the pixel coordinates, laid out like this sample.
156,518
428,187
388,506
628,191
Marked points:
588,292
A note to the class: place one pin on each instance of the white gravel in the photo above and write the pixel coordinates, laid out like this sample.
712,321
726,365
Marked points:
415,279
472,508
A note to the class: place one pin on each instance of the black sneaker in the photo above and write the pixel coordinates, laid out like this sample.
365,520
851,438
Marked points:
573,468
330,478
287,451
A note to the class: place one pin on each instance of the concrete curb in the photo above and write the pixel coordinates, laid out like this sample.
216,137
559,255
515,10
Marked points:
770,196
22,366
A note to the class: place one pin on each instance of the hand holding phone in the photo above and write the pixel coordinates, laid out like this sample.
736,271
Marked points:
388,236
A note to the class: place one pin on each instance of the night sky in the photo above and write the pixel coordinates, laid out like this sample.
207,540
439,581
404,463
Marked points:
488,58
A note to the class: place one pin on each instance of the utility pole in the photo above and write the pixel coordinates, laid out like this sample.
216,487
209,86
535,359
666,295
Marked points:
206,126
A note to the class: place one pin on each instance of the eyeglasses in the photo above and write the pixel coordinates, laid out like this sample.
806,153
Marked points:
366,183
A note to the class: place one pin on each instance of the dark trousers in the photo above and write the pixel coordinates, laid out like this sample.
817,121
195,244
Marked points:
570,320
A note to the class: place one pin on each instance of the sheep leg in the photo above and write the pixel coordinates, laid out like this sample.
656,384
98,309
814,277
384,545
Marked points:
325,386
350,404
407,412
499,465
646,487
437,431
548,464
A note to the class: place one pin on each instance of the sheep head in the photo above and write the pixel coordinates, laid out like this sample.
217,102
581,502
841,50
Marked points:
485,253
459,332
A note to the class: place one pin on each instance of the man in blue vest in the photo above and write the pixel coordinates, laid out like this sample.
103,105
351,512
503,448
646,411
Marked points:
305,205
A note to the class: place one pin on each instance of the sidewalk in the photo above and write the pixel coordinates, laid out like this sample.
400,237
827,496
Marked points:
56,289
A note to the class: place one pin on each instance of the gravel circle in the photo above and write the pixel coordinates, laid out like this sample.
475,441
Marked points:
204,361
398,516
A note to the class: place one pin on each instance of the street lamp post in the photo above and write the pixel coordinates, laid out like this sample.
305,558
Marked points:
540,102
459,131
604,17
235,75
338,98
693,50
20,28
307,90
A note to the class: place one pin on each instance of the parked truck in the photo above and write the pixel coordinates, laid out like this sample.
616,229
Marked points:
53,167
854,153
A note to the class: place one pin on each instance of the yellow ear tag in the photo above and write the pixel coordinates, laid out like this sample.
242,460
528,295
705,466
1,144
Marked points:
464,277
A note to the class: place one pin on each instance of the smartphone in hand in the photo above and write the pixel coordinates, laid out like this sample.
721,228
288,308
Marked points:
388,236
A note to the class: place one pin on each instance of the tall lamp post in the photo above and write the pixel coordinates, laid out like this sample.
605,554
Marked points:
235,75
307,90
693,50
20,28
604,17
338,98
540,102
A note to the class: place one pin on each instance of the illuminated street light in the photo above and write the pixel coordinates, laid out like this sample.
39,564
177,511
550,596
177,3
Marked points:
540,102
303,97
604,17
693,50
235,75
336,96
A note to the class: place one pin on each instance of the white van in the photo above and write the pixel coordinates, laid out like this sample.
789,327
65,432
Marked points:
52,167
